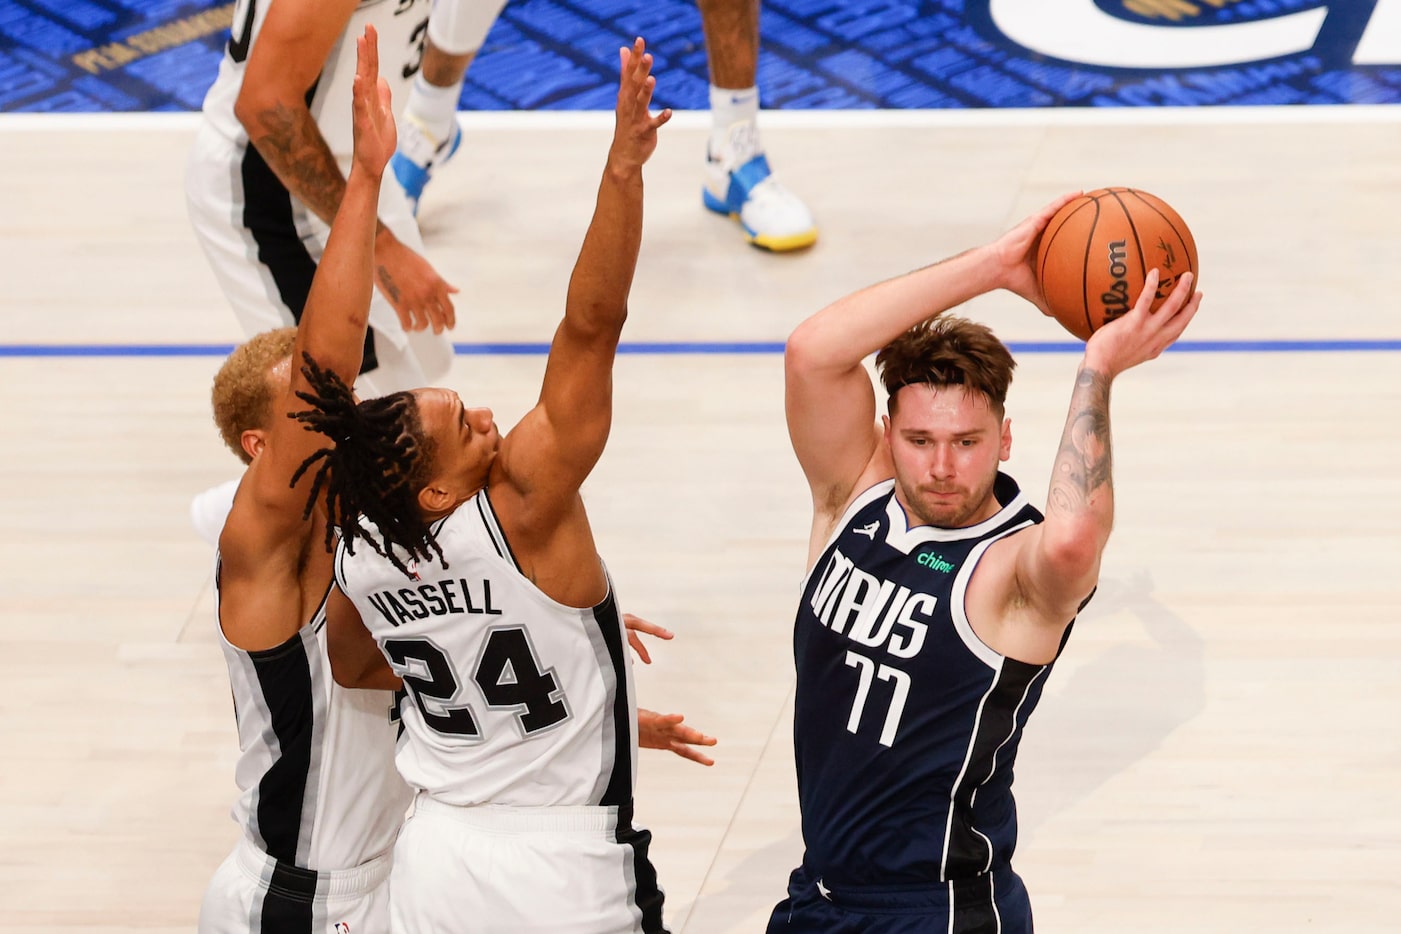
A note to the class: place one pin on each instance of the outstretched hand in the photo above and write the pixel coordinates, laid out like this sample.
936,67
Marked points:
1015,251
667,731
635,128
372,119
636,624
1142,335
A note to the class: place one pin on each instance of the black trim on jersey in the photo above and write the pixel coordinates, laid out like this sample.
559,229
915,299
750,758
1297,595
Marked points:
973,907
619,790
267,215
968,852
284,678
648,895
494,530
288,907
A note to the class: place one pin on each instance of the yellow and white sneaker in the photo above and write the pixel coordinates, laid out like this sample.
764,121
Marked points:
771,216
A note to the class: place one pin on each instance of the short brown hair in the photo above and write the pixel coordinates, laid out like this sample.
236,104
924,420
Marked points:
243,394
947,351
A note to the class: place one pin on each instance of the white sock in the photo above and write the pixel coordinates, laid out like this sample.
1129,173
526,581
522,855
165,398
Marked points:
433,108
728,107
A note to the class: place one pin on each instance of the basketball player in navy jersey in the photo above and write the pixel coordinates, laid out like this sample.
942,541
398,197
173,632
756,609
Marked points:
937,597
467,569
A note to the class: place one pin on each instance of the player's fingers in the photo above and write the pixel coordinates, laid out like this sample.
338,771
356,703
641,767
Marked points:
693,736
447,308
639,648
695,755
1149,292
1043,217
661,118
1166,313
633,621
1179,322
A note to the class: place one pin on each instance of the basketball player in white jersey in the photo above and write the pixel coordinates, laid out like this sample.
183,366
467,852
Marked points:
467,571
319,806
267,171
937,596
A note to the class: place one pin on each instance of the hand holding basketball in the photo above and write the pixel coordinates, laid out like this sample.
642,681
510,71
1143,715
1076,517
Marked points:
1095,254
1151,326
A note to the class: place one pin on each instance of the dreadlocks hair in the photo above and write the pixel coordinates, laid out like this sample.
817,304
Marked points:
374,469
947,351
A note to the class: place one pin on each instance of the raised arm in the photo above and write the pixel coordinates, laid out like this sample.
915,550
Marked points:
288,56
1056,563
555,446
830,401
332,329
286,60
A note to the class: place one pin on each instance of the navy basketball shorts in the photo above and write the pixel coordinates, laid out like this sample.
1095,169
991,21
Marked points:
995,903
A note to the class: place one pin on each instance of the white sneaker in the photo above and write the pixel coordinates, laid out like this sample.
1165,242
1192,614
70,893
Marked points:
418,154
739,184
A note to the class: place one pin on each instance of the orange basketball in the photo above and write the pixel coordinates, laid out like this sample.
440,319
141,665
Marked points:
1095,254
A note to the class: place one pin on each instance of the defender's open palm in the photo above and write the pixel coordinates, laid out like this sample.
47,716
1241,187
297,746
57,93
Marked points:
635,129
1142,335
373,120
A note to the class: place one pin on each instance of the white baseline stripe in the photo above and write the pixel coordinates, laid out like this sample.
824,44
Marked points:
804,119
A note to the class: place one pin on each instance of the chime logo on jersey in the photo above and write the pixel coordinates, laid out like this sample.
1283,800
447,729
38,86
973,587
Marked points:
871,611
935,562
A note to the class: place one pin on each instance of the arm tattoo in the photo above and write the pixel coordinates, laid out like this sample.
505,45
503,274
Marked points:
1084,462
390,285
295,150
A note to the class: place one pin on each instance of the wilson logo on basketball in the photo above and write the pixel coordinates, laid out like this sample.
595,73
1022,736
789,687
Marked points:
1116,298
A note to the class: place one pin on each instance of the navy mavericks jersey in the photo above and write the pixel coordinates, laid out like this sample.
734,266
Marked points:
906,724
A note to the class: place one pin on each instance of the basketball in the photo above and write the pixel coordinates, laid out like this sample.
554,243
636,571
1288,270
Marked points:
1095,254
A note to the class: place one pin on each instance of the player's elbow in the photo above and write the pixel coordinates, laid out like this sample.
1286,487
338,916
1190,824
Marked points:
1074,558
258,103
803,353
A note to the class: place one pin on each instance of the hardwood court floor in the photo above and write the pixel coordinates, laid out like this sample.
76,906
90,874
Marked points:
1216,752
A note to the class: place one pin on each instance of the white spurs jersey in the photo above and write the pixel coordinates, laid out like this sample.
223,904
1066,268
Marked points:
514,699
402,26
316,776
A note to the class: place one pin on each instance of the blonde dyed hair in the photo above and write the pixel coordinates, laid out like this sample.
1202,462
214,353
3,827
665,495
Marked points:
244,390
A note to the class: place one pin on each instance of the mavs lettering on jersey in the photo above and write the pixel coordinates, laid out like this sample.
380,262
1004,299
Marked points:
906,724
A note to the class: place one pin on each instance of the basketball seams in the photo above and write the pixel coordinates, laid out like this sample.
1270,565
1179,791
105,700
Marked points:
1137,238
1160,208
1095,246
1085,269
1047,241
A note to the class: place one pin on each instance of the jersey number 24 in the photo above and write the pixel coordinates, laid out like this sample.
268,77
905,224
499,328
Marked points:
507,673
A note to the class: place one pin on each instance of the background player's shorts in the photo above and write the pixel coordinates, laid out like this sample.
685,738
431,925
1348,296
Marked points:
995,903
264,259
562,870
252,893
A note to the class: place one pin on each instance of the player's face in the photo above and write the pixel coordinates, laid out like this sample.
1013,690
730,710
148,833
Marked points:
946,444
465,441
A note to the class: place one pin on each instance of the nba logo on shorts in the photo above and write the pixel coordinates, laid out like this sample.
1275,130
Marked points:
342,928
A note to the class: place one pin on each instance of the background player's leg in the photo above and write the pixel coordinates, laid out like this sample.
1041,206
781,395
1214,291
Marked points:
738,178
429,133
